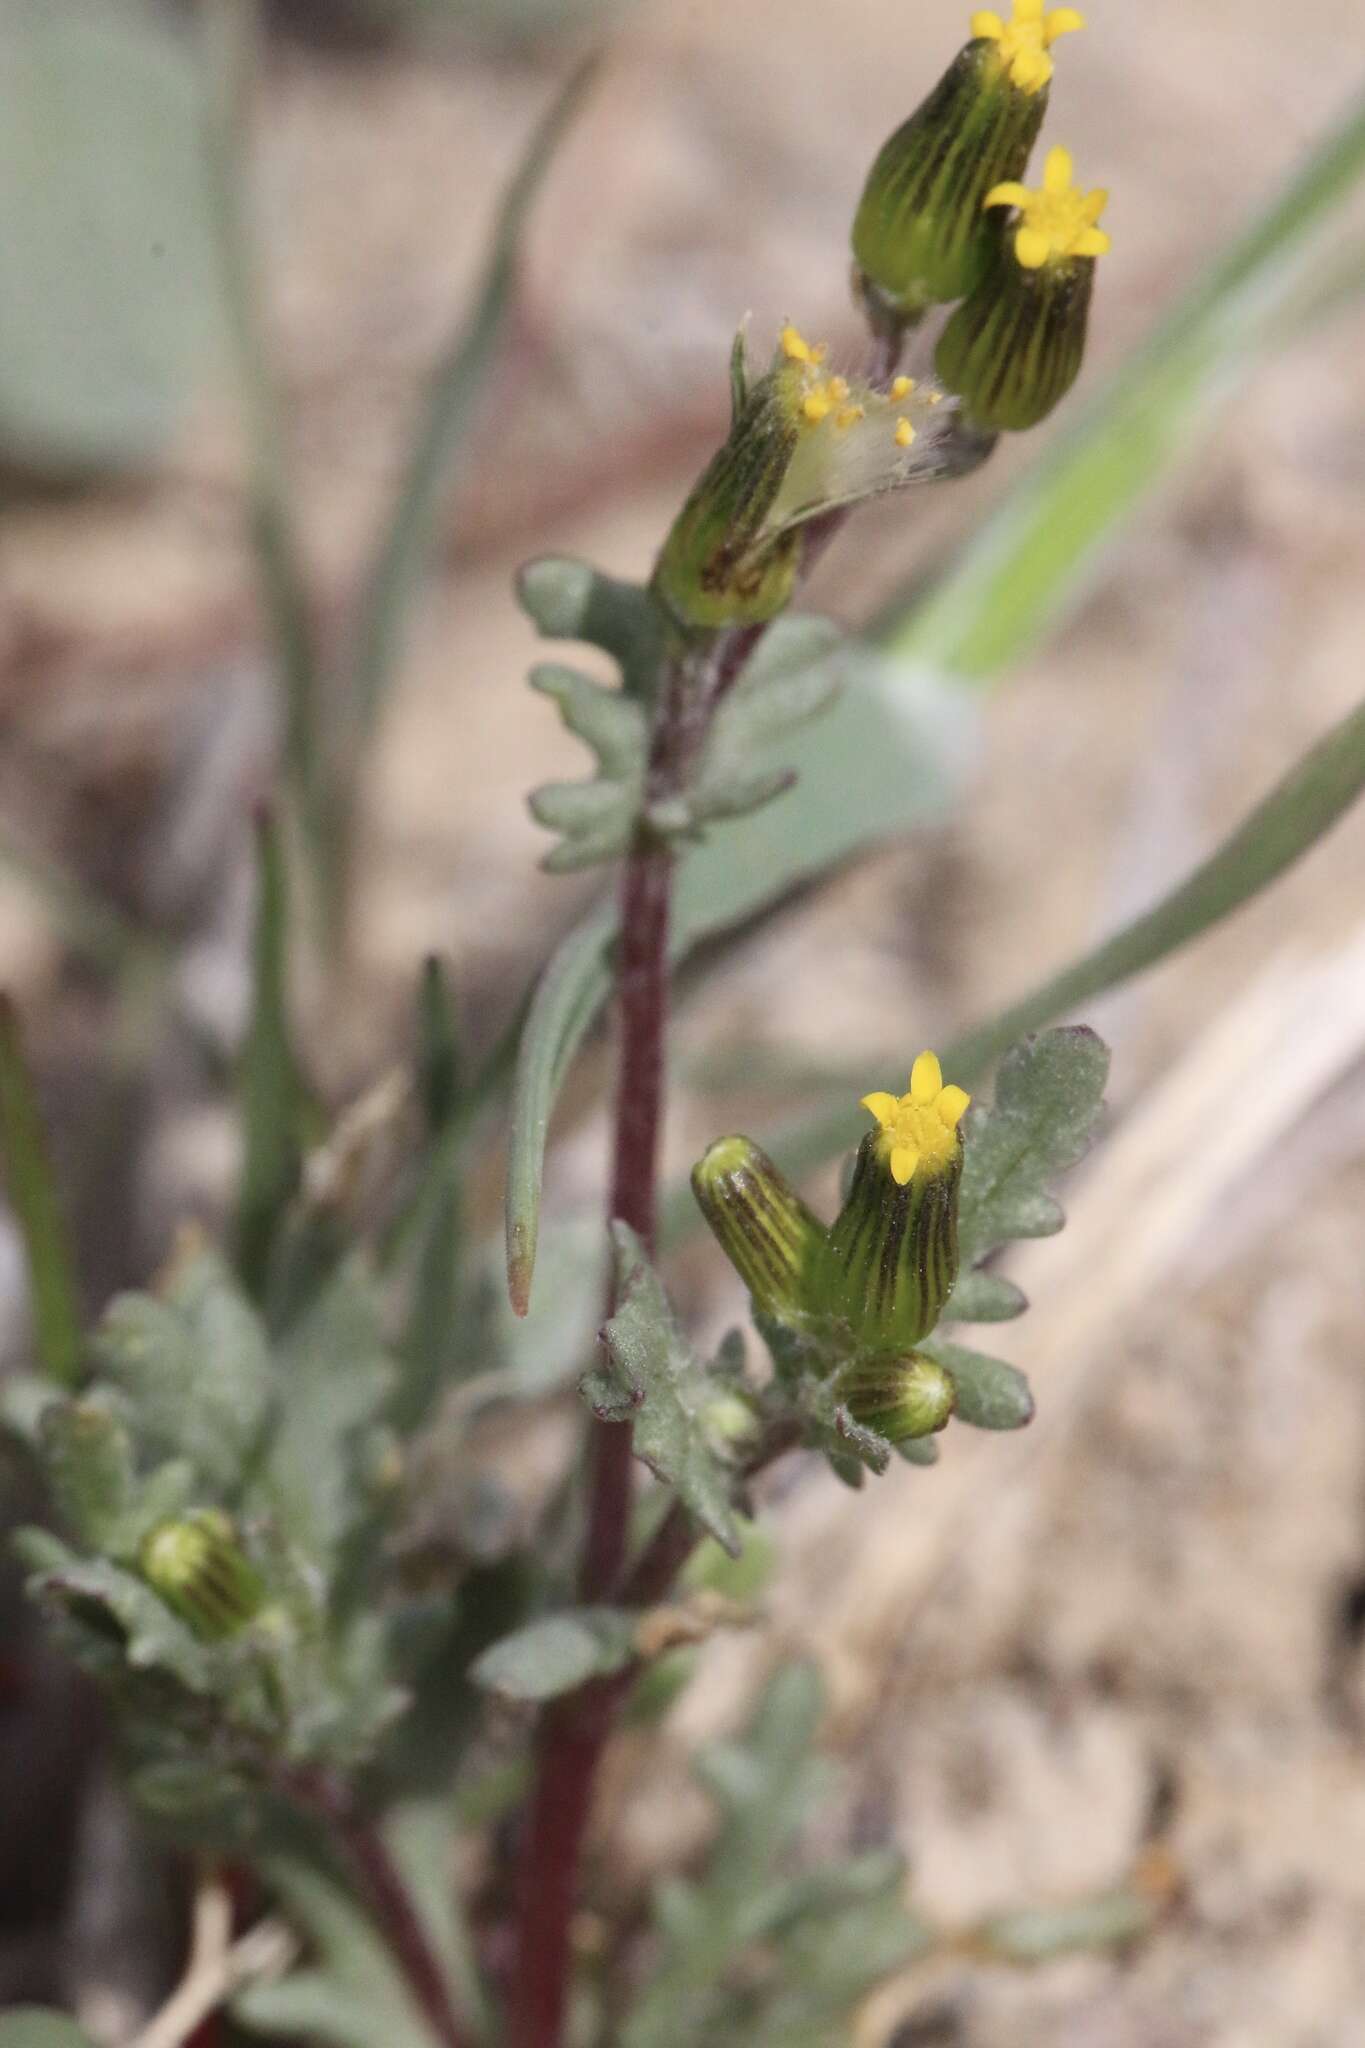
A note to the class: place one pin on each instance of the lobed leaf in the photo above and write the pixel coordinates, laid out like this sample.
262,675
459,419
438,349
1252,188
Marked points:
596,817
1048,1095
652,1379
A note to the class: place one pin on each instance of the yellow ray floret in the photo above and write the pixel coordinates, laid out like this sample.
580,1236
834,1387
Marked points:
919,1129
1026,39
1057,221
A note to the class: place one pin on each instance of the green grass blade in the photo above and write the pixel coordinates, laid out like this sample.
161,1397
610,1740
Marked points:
229,53
38,1210
457,385
271,1089
1014,578
1301,808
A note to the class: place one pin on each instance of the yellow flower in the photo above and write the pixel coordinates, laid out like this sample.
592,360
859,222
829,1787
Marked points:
1057,221
1026,39
919,1130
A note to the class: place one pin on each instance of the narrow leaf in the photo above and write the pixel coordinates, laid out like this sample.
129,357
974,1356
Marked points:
33,1195
984,1297
571,992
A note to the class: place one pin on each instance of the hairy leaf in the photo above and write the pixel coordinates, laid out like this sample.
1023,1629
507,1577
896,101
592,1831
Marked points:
88,1458
109,1604
990,1394
984,1297
1048,1095
195,1368
654,1380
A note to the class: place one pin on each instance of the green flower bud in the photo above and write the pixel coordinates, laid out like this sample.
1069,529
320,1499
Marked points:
891,1257
802,443
920,237
1013,349
770,1237
199,1569
900,1398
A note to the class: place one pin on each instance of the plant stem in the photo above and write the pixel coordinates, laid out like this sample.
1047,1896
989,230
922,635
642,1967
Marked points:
574,1730
364,1849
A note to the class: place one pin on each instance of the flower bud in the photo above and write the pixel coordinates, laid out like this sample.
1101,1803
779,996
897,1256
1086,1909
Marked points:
1013,349
200,1571
802,443
919,239
891,1257
900,1398
770,1237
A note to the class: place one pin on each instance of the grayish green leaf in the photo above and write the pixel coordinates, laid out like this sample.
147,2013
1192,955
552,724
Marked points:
570,600
335,1376
597,817
195,1368
794,675
88,1459
557,1653
153,1637
749,1951
105,305
990,1394
568,996
1048,1095
654,1380
984,1297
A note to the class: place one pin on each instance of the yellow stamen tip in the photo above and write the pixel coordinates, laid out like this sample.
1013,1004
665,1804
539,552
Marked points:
902,387
794,346
816,406
838,389
905,433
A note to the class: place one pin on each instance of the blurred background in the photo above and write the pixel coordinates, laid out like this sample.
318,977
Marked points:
1144,1620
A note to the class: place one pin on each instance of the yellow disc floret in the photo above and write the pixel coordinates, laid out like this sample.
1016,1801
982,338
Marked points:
1057,221
1026,39
919,1129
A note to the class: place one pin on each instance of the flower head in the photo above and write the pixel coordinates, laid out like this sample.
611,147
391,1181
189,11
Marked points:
1058,220
918,1130
804,441
1025,40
